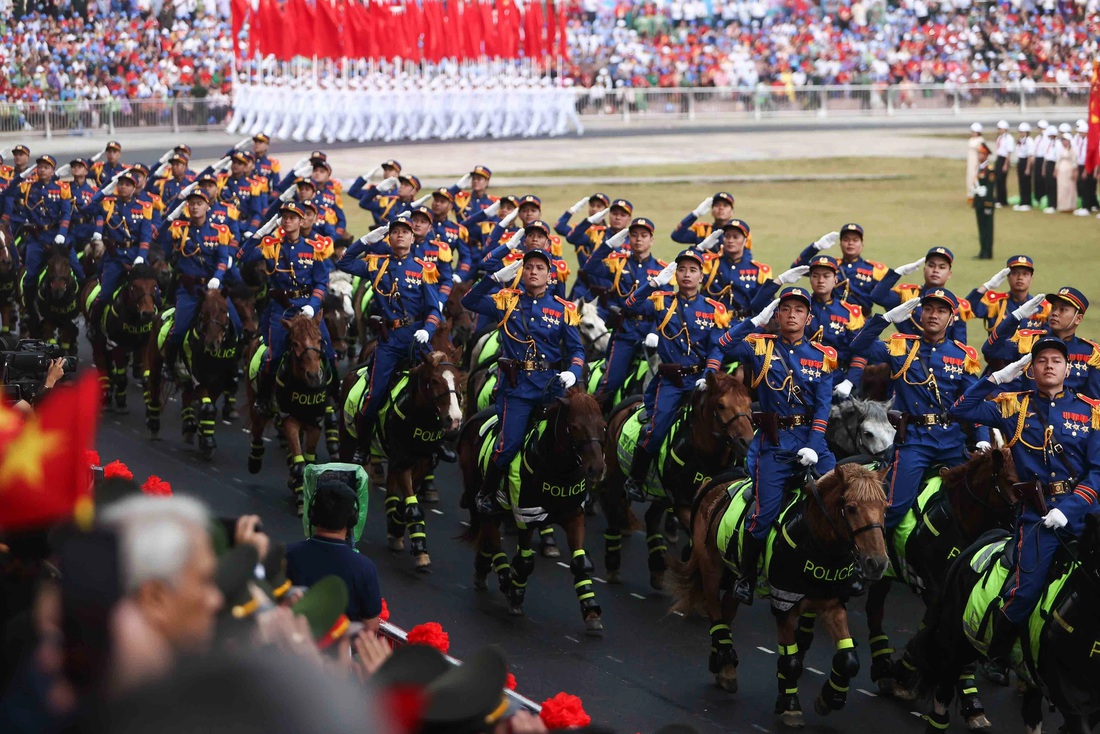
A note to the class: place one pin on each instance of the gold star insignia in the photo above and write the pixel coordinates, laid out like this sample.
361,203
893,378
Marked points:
26,456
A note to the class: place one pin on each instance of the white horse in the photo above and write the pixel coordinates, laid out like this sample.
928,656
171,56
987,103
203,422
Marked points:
858,427
594,332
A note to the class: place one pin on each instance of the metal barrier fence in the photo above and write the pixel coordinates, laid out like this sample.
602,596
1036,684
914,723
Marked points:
37,119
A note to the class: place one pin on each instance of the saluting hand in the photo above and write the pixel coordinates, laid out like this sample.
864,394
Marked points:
578,206
507,274
1007,374
664,277
712,241
516,241
375,235
996,280
788,277
704,207
1030,307
765,316
618,239
900,313
598,216
826,241
507,221
422,201
388,184
492,209
465,181
909,267
289,193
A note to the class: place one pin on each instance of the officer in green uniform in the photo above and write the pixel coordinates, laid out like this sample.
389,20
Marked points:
985,200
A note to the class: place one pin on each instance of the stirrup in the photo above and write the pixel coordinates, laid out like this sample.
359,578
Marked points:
634,490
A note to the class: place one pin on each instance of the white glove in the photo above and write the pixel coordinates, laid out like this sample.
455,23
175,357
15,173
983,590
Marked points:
139,260
508,273
1030,307
375,235
843,390
422,201
578,206
64,171
245,144
598,216
250,235
289,193
303,171
299,163
900,313
507,221
307,311
788,277
807,457
664,277
981,190
1007,374
59,239
618,239
373,172
651,340
826,241
421,336
909,267
97,237
110,188
997,279
176,213
465,181
515,241
213,284
711,243
223,163
388,184
167,154
1055,519
983,446
182,195
701,384
29,172
765,316
704,207
456,278
157,173
568,380
492,209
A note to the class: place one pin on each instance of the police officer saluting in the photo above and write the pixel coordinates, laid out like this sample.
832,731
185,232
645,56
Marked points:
477,199
539,345
857,274
690,231
730,275
994,306
1054,435
936,265
794,379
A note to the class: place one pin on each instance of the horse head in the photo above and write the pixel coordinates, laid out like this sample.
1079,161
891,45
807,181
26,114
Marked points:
58,281
724,414
983,491
336,320
462,320
860,427
244,301
213,321
851,510
7,262
439,382
141,295
304,345
1089,546
594,332
580,430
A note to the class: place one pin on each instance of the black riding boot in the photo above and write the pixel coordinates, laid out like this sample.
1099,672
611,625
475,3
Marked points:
265,386
745,587
486,502
1001,642
639,472
364,436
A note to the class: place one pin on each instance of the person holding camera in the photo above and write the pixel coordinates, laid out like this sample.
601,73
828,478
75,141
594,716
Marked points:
328,551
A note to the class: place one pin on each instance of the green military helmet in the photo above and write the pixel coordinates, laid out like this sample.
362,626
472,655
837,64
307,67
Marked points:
323,606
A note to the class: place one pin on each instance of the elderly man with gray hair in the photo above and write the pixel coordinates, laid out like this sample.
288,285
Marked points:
166,569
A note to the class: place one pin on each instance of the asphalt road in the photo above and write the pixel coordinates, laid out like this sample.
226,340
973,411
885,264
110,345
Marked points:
648,669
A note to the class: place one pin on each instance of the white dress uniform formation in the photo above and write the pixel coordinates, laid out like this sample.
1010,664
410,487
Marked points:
406,106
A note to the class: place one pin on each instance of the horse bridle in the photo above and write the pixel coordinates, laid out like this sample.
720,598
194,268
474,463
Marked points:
574,442
434,398
811,484
722,433
998,465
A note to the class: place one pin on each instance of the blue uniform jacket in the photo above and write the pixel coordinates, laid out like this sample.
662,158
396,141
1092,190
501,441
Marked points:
689,328
993,307
690,231
834,322
615,274
129,224
1010,342
736,283
887,296
296,266
200,252
48,205
405,287
858,277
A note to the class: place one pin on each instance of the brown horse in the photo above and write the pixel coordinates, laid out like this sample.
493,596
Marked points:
301,396
56,300
833,531
557,472
410,427
9,280
712,434
210,356
462,320
126,322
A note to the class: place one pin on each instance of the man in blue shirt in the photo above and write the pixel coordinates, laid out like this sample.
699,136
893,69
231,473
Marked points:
328,552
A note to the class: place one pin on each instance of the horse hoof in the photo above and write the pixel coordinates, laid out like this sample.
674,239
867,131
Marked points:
481,582
657,580
423,563
593,625
904,694
821,708
396,544
516,610
614,577
189,438
430,496
727,679
254,465
978,723
550,551
792,719
885,686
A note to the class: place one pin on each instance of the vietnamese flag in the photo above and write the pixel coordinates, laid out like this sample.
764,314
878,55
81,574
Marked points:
1092,146
239,11
44,476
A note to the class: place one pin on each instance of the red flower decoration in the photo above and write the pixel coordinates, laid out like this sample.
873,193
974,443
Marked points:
117,469
510,683
384,615
430,634
154,485
564,711
91,458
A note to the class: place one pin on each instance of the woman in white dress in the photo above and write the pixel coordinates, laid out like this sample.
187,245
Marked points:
1066,174
972,157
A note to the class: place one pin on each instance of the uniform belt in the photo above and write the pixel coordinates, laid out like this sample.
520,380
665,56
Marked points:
927,419
291,292
398,323
1053,489
793,421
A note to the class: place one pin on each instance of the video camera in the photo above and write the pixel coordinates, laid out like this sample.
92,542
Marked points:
23,366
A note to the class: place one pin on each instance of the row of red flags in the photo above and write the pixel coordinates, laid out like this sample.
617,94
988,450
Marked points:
428,30
1092,149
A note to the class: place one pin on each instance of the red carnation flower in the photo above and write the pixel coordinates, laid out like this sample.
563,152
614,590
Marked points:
156,486
384,615
91,458
117,469
430,634
510,683
564,711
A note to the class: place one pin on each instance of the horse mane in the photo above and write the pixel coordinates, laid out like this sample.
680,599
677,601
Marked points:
978,461
862,485
722,384
301,323
583,401
144,271
845,483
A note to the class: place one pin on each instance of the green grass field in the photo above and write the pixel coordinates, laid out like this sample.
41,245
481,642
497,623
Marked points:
902,218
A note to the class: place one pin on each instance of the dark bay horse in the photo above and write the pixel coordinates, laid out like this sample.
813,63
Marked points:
834,530
712,434
557,468
9,280
210,355
57,301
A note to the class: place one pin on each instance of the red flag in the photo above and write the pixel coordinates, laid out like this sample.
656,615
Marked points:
455,40
551,47
301,19
563,24
1092,145
44,477
239,11
485,23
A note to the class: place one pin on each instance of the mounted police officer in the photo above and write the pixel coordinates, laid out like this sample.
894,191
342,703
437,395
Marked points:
329,196
540,345
83,190
936,266
170,187
794,379
386,207
730,274
928,373
450,232
685,327
1054,435
432,249
406,301
690,231
535,236
481,224
266,166
858,275
199,251
596,203
125,226
1065,310
298,281
105,171
613,275
478,198
994,306
239,190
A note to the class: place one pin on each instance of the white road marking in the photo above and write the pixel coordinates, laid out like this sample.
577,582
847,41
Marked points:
764,649
563,565
637,596
865,692
573,639
814,670
615,659
759,728
678,614
597,578
438,512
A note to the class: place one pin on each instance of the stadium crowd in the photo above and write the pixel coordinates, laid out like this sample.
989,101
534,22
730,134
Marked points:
140,51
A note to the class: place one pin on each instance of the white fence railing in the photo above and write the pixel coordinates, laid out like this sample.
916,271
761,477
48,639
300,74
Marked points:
45,119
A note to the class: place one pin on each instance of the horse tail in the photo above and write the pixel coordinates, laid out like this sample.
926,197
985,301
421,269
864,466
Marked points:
685,582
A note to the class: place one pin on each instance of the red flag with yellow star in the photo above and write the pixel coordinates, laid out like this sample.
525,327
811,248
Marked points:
44,476
1092,146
